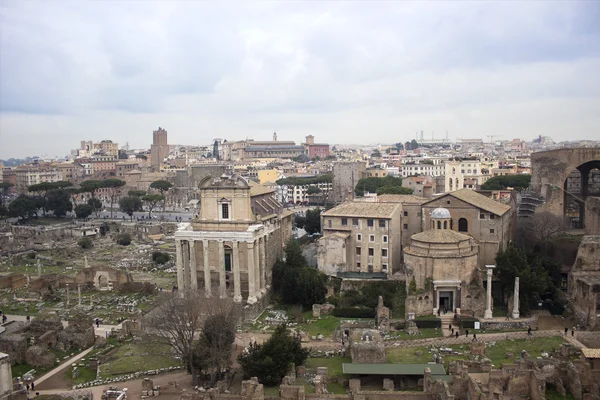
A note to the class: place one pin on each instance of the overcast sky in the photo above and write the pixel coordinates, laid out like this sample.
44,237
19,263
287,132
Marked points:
346,72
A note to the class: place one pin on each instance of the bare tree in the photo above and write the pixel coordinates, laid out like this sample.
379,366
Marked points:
542,229
179,321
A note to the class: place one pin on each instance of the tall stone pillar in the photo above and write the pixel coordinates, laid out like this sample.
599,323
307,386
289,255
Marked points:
179,264
263,265
257,268
251,273
193,266
68,299
221,268
515,312
79,294
237,297
488,300
207,282
185,252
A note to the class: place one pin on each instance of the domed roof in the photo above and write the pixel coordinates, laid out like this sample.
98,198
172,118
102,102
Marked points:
441,213
440,236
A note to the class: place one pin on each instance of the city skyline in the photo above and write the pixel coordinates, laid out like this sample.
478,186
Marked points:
344,72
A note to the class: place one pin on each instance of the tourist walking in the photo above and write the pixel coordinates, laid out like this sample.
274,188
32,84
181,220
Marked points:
457,334
529,331
566,331
466,333
474,337
573,331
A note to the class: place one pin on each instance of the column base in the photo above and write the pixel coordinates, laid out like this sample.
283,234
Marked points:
515,315
263,291
237,298
487,314
251,300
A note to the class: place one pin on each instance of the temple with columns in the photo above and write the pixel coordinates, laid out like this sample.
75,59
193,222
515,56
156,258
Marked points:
230,248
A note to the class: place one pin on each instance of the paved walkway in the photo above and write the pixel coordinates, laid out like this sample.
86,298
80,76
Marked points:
65,364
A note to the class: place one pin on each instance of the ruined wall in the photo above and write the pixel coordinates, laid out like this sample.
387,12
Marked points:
5,376
592,216
421,304
93,274
13,281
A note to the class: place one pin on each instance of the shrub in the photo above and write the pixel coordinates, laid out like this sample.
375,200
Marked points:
124,239
467,323
85,243
354,312
160,257
428,323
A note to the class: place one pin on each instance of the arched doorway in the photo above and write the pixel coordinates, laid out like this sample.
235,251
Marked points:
582,182
228,265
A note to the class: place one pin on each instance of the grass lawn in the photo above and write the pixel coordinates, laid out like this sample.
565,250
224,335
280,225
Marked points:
325,326
408,355
133,357
272,391
534,348
552,394
333,364
336,388
85,375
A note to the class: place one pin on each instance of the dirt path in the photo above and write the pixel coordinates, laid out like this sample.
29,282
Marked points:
41,381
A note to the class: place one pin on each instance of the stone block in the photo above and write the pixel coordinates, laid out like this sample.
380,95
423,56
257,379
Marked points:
37,356
354,385
388,384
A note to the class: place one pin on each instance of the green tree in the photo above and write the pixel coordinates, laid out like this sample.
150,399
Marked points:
3,210
73,194
83,210
23,207
313,221
399,146
151,201
4,188
517,182
313,190
163,187
373,183
300,181
393,190
85,243
95,204
414,144
41,190
130,204
212,354
271,361
311,287
59,201
299,221
376,154
160,257
137,193
113,189
293,254
407,146
91,186
123,239
533,278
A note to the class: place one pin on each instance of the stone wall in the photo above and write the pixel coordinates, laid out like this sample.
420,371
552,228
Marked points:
420,304
13,281
93,274
5,376
15,346
592,216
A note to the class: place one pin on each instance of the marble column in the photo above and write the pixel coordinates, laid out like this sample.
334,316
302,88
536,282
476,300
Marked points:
263,264
179,264
193,266
236,272
207,282
488,300
257,269
251,274
221,268
68,299
79,294
185,251
515,312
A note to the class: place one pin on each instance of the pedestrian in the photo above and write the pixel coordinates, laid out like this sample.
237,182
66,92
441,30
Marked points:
28,387
573,331
28,318
474,337
97,323
529,331
507,318
449,326
457,334
32,386
453,330
466,333
566,331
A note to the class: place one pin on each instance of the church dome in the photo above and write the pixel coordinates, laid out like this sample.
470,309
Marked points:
440,213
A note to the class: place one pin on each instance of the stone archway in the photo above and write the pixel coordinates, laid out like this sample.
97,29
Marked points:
102,280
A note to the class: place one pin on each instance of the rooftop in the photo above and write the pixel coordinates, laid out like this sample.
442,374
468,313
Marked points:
591,353
480,201
392,369
440,236
363,209
256,189
401,198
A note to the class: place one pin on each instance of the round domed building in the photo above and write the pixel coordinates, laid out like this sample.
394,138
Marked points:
444,266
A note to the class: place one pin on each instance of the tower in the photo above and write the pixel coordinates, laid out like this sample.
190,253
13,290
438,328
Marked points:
159,149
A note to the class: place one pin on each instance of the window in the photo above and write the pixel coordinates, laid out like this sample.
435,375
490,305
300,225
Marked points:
481,216
382,223
355,221
491,230
371,238
344,221
463,225
358,237
370,223
371,251
358,251
329,223
439,224
445,224
448,202
385,238
406,226
384,267
225,211
358,266
370,267
406,213
492,216
384,252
